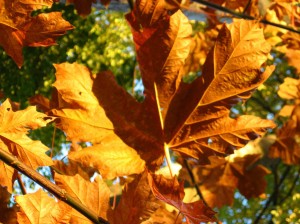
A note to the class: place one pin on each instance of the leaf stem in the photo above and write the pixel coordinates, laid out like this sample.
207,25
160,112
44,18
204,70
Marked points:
244,16
21,184
51,187
187,165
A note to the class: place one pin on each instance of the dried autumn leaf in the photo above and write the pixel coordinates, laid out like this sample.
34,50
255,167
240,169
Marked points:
112,158
137,203
293,57
163,216
38,208
19,28
7,176
83,7
287,145
8,214
13,134
81,116
237,171
172,192
94,195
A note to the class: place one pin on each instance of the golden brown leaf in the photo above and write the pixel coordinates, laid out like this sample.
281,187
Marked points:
19,28
94,195
163,216
38,208
287,146
237,171
7,176
112,158
8,214
83,7
294,58
13,130
172,192
137,203
81,116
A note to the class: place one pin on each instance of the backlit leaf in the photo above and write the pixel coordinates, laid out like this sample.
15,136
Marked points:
172,192
20,29
38,208
14,127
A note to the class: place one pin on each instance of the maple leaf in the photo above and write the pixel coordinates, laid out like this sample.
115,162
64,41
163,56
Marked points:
13,129
19,28
8,214
112,158
137,203
83,119
172,192
220,179
38,207
189,118
81,116
163,216
286,145
95,195
7,176
83,7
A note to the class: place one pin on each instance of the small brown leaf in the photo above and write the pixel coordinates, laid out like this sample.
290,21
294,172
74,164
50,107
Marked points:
112,158
94,195
8,214
13,130
137,203
40,208
172,192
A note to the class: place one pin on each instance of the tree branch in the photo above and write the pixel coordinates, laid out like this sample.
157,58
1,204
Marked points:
186,164
271,198
51,187
244,16
291,189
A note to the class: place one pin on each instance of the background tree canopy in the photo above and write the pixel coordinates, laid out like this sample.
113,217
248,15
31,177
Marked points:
102,41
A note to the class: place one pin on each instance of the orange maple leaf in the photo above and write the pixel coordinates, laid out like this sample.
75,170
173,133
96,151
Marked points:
220,179
94,195
13,134
172,192
39,207
19,28
8,214
137,203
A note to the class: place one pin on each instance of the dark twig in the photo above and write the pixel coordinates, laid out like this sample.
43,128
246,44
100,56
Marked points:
291,189
51,187
21,184
186,164
130,3
271,198
247,6
244,16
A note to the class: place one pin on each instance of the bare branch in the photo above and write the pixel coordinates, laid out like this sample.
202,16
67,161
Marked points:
244,16
51,187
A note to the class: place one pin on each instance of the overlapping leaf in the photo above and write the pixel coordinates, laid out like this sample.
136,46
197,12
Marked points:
220,179
20,29
13,134
40,208
84,7
137,203
8,214
83,119
95,195
172,192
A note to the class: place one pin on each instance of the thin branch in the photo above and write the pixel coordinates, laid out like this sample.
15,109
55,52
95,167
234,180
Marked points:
244,16
61,194
271,198
247,6
130,3
21,184
291,189
187,165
